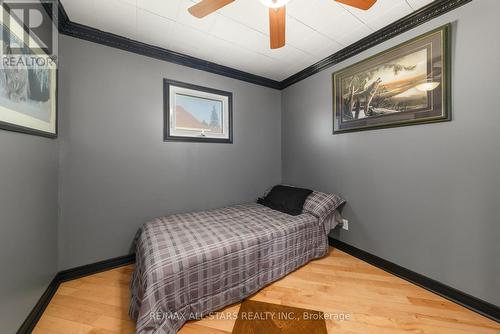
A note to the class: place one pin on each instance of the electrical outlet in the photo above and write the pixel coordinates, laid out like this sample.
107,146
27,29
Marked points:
345,224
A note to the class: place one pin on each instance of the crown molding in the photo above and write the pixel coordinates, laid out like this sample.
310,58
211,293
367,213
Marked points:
77,30
425,14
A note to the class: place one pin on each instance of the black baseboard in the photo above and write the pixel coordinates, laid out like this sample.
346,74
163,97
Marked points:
475,304
472,303
35,314
94,268
67,275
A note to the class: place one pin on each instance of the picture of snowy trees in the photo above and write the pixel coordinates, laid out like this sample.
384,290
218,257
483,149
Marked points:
24,85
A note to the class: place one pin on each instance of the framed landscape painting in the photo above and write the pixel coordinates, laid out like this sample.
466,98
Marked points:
408,84
197,114
28,82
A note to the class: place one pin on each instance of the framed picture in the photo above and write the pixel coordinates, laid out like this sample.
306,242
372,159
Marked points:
408,84
197,114
28,82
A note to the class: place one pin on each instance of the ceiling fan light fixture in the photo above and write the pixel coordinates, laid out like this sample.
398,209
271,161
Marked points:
274,3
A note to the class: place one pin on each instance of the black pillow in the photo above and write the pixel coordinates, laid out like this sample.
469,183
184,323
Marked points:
286,199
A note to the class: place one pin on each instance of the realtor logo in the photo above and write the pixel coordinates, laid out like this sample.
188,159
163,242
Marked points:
28,35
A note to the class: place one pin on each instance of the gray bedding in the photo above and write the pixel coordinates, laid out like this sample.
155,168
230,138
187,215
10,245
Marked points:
191,264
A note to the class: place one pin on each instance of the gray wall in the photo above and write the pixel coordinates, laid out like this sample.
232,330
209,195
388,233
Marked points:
28,223
116,172
425,197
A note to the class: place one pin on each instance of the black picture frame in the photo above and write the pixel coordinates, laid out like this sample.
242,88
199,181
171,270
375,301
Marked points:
440,39
168,137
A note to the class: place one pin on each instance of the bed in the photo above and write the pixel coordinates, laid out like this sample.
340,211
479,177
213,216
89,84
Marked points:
191,264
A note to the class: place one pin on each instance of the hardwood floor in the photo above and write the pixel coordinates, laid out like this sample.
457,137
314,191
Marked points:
339,285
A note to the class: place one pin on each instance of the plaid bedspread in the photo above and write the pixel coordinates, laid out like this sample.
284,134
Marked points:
188,265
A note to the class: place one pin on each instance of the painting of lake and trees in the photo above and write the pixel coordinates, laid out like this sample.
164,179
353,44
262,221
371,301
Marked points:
408,84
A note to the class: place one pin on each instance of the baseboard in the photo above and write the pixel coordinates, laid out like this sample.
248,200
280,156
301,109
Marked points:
37,311
67,275
94,268
475,304
472,303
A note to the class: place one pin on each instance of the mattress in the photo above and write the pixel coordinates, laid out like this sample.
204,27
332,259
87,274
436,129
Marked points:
191,264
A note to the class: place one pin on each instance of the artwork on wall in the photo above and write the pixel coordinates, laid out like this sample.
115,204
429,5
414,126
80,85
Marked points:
197,114
408,84
28,83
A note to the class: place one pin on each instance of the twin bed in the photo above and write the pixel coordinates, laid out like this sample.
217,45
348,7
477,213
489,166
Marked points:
191,264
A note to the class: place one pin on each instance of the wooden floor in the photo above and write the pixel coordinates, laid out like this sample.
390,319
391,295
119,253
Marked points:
339,285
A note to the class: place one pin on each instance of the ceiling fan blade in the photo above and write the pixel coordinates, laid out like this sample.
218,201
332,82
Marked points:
361,4
277,27
205,7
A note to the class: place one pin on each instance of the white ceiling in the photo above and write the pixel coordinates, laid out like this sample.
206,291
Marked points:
238,35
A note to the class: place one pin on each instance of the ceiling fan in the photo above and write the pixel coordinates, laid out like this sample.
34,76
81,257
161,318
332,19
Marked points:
277,14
